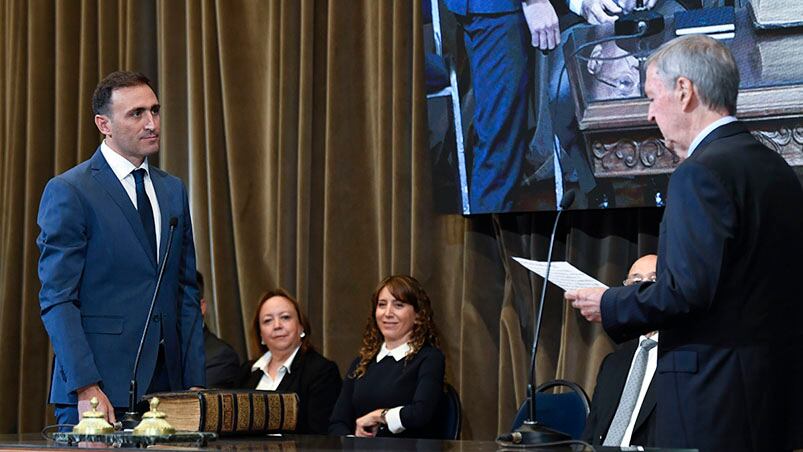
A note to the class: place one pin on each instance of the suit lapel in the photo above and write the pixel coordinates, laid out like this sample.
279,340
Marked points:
729,129
288,383
106,178
160,187
254,378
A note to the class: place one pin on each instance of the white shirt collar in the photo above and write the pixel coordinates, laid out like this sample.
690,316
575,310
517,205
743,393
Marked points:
397,353
119,165
262,362
705,132
653,337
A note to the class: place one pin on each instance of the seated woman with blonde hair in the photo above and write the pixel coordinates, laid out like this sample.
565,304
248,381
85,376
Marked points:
289,363
395,386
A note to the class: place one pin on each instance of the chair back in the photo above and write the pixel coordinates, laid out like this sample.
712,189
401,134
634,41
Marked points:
450,414
565,412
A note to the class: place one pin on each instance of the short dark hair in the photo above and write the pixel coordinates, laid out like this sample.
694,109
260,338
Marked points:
117,79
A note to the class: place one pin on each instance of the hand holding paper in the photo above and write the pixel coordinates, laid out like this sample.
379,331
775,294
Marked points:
563,274
583,291
587,301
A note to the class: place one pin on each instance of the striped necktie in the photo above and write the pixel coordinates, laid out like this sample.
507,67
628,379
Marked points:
627,403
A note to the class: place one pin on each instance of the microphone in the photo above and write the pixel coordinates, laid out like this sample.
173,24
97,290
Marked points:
131,417
531,431
641,21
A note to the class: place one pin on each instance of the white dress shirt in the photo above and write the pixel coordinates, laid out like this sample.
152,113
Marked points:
652,363
123,169
393,415
267,383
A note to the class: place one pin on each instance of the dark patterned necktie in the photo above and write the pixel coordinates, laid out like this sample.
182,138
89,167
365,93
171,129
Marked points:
145,209
629,396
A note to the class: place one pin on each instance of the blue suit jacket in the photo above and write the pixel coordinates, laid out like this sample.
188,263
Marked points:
729,373
98,279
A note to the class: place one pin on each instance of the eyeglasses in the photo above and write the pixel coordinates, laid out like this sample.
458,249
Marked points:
638,279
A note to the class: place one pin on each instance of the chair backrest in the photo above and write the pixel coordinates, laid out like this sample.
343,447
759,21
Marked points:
565,412
450,414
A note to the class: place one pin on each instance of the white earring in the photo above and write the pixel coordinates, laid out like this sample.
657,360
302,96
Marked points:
303,334
262,341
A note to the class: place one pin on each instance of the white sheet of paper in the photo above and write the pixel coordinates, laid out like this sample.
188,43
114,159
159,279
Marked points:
562,274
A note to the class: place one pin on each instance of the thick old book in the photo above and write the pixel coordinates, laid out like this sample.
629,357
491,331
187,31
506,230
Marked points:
229,412
776,13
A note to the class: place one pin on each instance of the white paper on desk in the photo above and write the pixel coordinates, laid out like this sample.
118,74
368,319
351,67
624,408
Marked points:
562,274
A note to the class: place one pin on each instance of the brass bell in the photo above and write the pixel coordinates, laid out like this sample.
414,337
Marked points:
153,422
93,422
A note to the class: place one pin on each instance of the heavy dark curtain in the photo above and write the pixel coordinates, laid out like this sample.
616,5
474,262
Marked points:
299,127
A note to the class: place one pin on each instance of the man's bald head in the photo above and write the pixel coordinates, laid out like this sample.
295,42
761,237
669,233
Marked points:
643,269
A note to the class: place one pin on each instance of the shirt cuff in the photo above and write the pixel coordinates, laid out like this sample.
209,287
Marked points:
393,418
576,6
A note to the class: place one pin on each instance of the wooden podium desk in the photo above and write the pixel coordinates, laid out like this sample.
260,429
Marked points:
611,109
285,443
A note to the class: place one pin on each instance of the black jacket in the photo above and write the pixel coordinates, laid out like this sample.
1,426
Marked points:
317,382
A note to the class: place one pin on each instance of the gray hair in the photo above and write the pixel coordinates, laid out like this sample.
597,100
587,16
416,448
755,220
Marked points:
706,62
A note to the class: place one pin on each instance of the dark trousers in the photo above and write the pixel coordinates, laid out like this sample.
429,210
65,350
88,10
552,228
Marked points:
498,47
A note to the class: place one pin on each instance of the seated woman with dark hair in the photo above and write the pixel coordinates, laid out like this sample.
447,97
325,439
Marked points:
289,363
395,386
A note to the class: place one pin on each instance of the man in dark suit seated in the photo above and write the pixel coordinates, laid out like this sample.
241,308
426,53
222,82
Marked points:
623,407
222,362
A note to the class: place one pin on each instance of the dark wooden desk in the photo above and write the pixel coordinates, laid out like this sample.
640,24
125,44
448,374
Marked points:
297,443
284,443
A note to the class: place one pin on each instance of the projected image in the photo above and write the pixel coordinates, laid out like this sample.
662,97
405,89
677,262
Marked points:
513,128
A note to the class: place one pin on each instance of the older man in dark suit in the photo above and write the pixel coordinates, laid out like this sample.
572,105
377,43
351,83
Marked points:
729,254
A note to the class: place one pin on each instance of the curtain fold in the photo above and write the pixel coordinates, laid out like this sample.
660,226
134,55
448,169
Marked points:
299,127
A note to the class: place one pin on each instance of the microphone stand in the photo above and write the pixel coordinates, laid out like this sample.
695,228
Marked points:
532,432
131,417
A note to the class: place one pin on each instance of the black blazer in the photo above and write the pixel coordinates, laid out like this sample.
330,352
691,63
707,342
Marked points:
730,255
611,381
317,382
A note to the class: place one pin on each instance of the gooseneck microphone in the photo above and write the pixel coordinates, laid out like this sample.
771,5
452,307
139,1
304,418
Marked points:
531,431
131,417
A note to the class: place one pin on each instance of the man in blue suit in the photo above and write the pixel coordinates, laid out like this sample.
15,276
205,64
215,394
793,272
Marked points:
105,227
498,35
729,367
